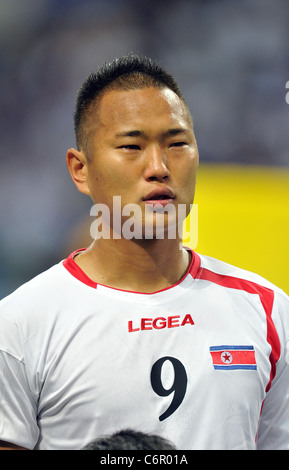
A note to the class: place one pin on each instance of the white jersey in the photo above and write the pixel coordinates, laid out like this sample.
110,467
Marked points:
203,363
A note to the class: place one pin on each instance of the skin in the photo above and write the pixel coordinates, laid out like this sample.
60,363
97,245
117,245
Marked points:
141,140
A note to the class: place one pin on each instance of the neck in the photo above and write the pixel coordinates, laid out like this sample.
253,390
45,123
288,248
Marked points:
136,265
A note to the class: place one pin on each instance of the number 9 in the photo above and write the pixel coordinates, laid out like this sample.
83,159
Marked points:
179,386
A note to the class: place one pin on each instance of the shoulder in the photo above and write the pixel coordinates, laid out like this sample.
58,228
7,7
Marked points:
274,300
31,313
214,270
38,291
229,276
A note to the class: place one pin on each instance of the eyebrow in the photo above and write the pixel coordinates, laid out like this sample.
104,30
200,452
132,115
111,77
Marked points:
133,133
138,133
179,130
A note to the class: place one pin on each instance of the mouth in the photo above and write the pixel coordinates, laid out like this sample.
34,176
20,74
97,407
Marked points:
162,197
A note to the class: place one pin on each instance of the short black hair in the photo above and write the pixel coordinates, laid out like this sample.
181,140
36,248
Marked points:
128,439
129,72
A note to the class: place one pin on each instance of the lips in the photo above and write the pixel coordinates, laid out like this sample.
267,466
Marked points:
159,196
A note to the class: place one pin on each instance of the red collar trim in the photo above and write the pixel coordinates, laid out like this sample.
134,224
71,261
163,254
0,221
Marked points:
76,271
73,268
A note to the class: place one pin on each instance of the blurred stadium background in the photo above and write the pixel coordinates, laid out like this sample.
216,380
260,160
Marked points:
230,58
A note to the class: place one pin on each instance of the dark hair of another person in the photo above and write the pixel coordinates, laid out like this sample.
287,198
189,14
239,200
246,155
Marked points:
130,440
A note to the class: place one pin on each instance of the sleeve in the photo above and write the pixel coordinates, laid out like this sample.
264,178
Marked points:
273,433
18,409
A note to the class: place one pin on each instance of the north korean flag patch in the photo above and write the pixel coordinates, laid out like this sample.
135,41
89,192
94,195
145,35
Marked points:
232,357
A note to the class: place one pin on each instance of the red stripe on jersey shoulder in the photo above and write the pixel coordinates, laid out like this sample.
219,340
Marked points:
266,296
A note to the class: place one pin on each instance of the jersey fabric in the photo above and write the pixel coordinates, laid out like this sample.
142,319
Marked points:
203,363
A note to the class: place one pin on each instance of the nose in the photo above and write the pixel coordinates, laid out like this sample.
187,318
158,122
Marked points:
156,168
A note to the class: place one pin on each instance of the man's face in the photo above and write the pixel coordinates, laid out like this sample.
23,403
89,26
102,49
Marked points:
143,149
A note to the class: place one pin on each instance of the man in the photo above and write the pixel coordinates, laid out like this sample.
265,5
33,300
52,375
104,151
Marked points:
137,331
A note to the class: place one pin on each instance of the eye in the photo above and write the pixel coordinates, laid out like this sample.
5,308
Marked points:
178,144
129,147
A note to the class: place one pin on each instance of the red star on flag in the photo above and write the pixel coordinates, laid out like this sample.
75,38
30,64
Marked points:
226,357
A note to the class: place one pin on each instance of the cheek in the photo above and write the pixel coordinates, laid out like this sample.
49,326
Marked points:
187,185
106,182
187,172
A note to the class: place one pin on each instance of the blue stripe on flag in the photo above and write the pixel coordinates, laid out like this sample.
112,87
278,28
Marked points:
227,347
236,366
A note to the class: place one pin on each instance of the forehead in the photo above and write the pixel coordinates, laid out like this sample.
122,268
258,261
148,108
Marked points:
147,107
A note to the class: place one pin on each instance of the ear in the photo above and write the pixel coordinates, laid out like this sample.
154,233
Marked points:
77,166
